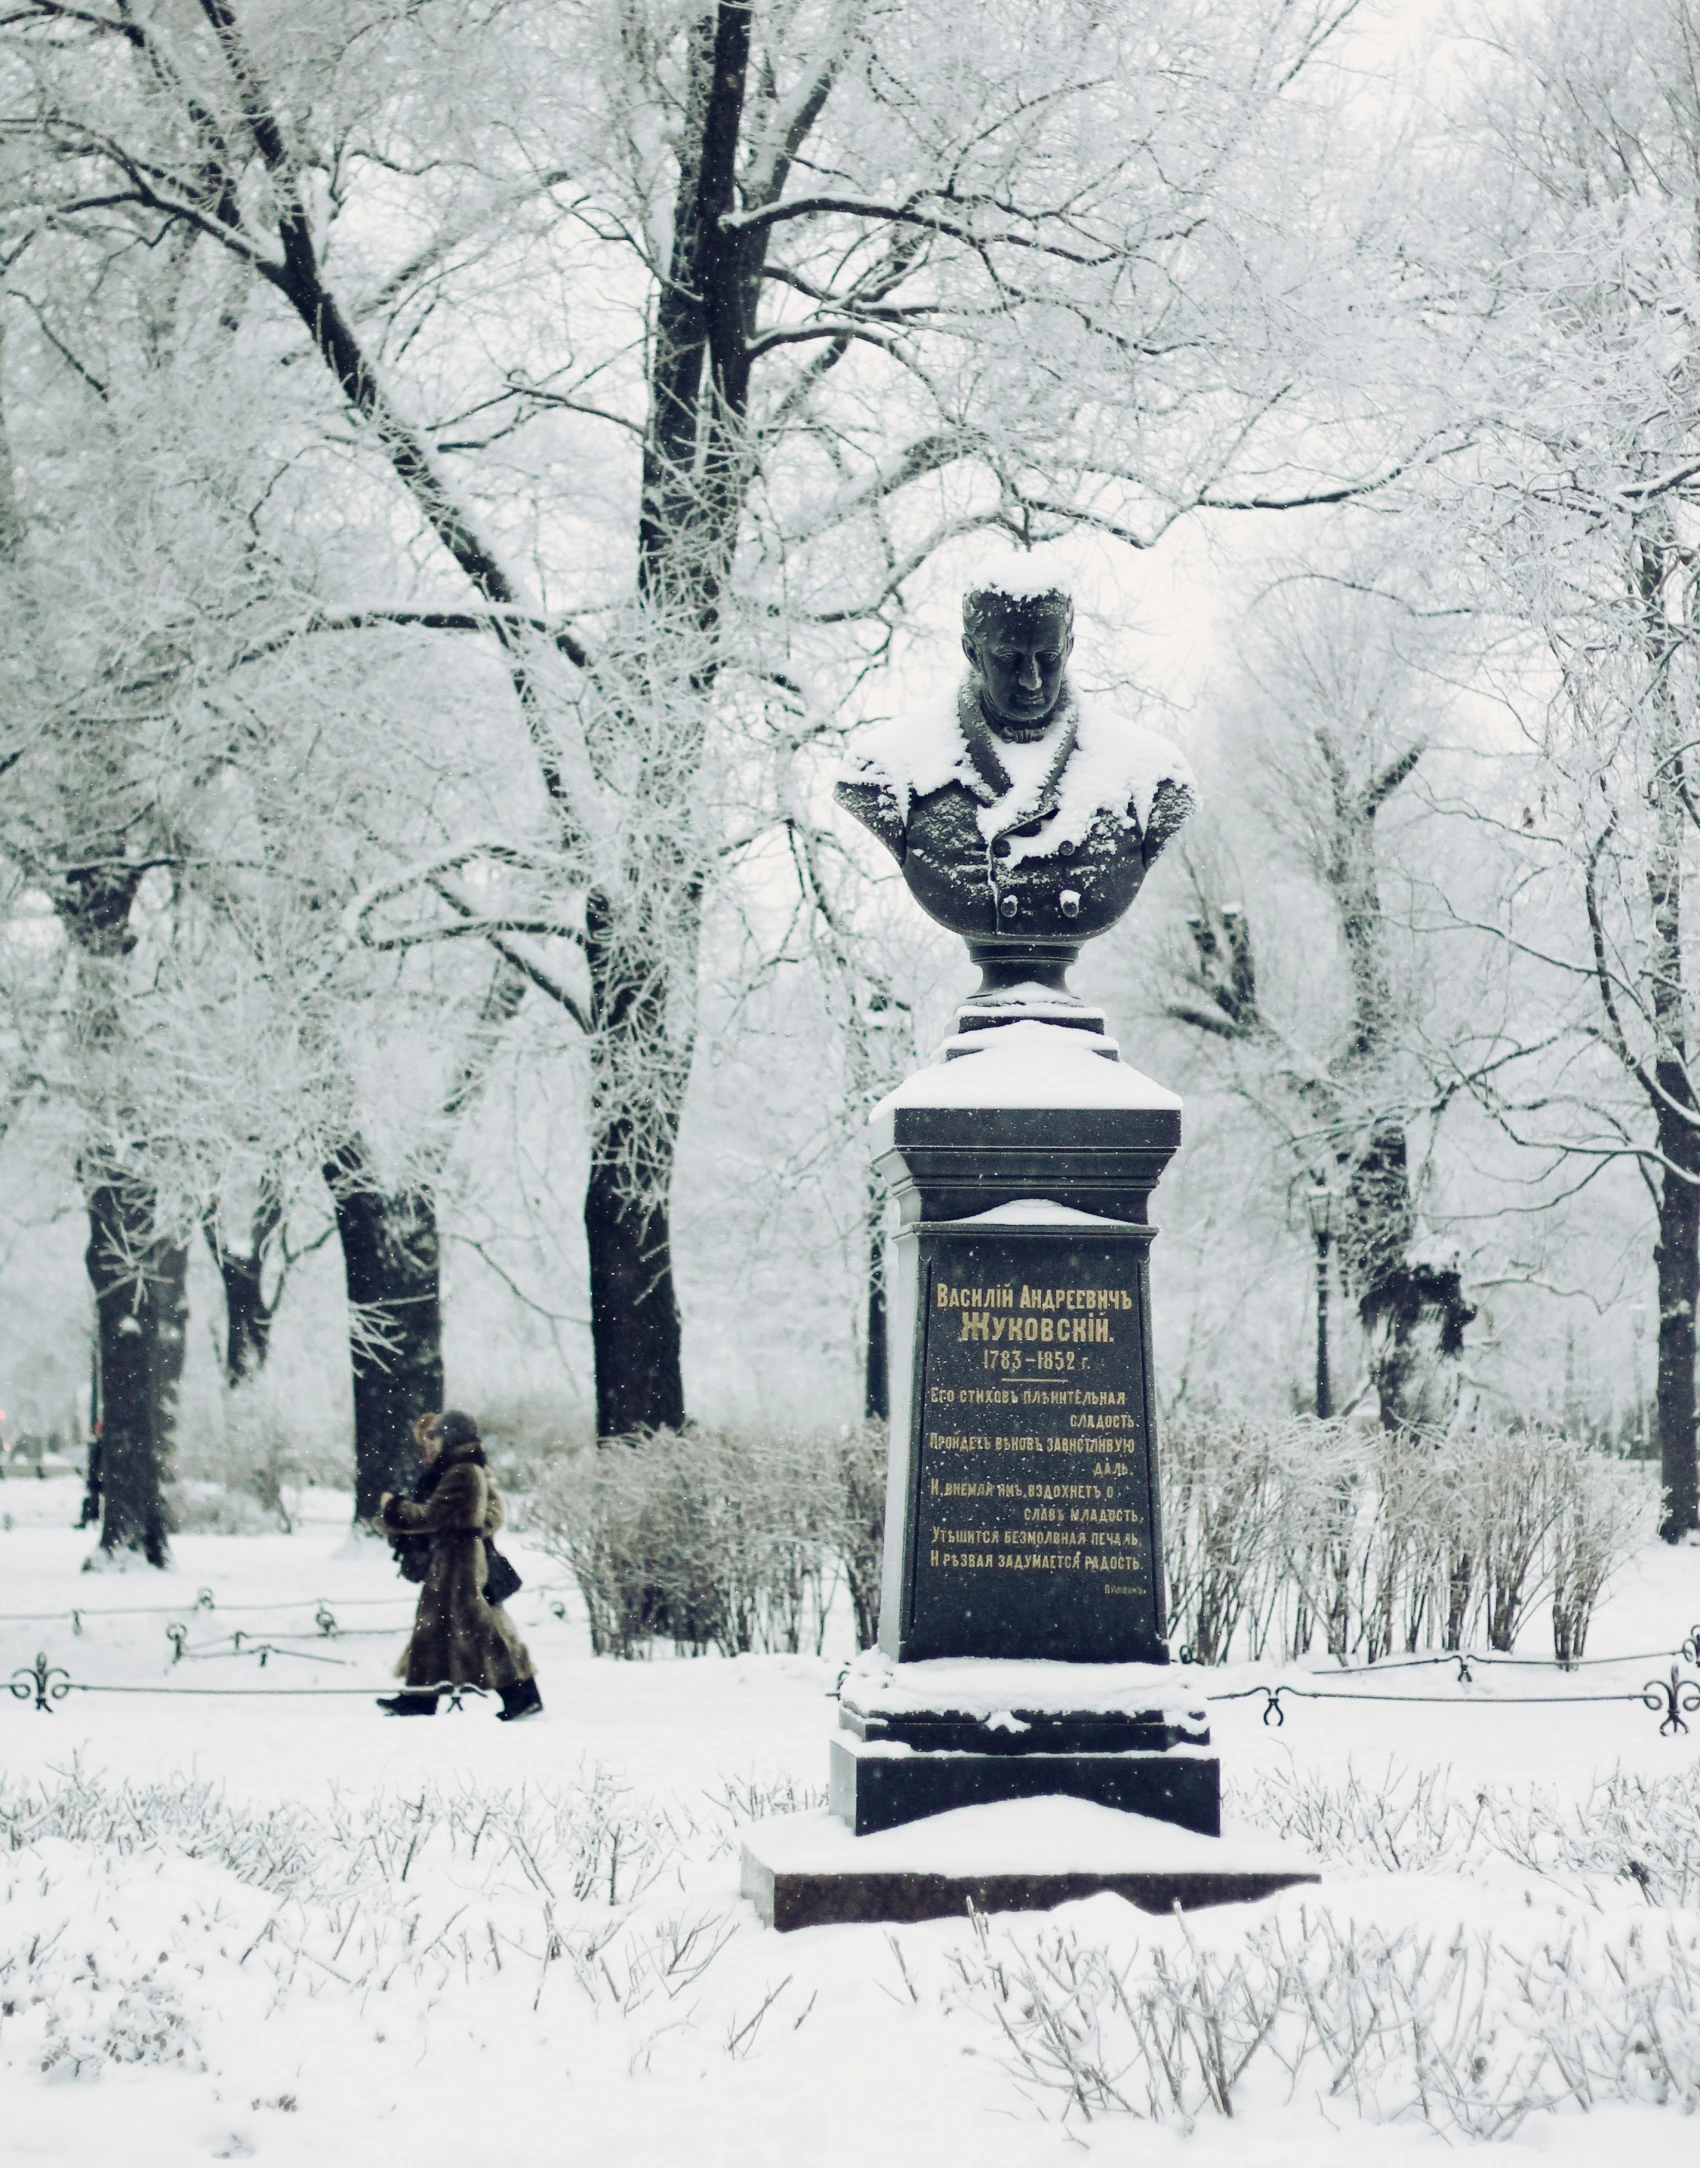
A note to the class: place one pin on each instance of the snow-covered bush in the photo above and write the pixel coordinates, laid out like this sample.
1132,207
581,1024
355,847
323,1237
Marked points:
859,1538
168,1923
1466,2031
1279,1535
1635,1831
84,2019
1226,1494
1603,1509
727,1539
212,1509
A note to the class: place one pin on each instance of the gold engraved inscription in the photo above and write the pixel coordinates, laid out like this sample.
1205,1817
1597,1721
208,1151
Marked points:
1038,1468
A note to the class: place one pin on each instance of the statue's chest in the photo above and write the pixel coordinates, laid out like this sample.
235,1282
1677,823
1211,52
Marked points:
969,881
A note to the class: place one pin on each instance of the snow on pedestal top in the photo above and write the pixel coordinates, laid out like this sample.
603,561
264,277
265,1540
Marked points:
1026,1064
990,1686
1048,1835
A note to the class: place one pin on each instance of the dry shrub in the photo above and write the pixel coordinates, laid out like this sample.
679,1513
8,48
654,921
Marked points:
1626,1828
1463,2031
727,1539
1276,1535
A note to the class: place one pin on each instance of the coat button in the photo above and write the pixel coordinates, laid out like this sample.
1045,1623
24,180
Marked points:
1069,903
1008,907
1065,849
1002,847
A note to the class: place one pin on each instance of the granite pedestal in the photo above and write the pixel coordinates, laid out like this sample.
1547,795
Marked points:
1023,1527
807,1870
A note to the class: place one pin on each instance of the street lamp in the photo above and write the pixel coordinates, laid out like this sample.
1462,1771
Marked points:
1320,1207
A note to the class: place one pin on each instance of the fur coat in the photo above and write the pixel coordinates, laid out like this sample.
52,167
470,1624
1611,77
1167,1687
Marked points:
457,1637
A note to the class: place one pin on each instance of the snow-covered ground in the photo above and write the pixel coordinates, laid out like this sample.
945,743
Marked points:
289,1929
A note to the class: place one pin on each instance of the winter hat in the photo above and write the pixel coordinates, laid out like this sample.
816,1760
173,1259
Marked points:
458,1429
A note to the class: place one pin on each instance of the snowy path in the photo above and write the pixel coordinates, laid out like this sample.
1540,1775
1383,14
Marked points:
434,1981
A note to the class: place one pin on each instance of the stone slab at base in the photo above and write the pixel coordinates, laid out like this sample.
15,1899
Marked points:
876,1784
1022,1855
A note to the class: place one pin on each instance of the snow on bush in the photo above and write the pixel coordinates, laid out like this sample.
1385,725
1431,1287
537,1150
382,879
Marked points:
729,1539
1278,1537
1630,1829
1468,2030
135,1919
1505,1954
1481,1954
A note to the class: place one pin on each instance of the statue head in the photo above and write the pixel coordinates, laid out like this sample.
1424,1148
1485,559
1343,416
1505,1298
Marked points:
1018,633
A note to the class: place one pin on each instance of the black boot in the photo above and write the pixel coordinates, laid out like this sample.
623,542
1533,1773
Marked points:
409,1705
520,1700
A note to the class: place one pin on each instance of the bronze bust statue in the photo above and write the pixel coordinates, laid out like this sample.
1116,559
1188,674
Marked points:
1024,817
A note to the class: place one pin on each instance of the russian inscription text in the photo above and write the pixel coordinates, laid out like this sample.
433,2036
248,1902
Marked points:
1033,1512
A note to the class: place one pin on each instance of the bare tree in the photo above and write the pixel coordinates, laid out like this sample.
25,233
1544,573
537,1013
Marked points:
1340,1068
842,283
1574,241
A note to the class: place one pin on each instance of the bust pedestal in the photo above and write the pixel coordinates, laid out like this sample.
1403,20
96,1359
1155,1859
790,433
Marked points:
1021,1651
1021,1623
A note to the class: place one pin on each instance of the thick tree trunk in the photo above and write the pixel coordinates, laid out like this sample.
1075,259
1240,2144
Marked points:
392,1264
639,1067
141,1307
1414,1313
642,929
1677,1256
634,1312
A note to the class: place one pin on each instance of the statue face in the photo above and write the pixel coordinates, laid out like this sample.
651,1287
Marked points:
1019,652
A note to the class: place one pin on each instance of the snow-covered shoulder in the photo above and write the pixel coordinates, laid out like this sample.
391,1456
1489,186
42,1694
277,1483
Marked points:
1117,764
910,755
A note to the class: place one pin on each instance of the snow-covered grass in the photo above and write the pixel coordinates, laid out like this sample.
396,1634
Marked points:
286,1928
1471,2028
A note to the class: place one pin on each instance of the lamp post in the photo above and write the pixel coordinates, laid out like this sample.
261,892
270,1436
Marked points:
1319,1205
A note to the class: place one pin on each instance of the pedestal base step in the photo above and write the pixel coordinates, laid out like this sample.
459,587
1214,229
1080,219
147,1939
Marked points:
878,1784
1023,1855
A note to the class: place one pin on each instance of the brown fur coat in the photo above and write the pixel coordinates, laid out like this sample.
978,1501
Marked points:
457,1636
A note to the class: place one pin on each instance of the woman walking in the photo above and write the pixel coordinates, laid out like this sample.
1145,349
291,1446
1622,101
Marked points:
458,1638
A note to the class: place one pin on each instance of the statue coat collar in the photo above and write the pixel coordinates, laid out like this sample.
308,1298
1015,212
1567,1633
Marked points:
984,773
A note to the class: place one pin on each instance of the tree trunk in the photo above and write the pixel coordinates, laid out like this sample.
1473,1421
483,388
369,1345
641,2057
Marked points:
634,1312
639,1068
140,1286
392,1265
1676,1112
247,1316
1677,1256
876,1391
1414,1313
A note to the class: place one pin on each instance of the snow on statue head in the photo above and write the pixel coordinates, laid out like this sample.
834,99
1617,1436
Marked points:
1018,633
1024,817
